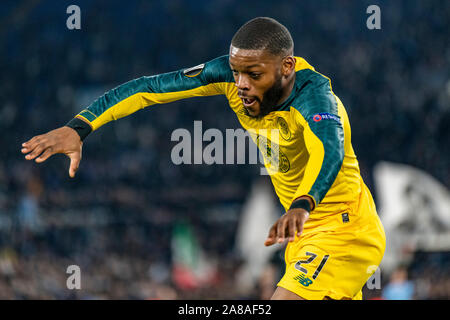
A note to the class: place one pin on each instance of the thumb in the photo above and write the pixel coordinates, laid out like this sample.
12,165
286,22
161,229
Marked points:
74,164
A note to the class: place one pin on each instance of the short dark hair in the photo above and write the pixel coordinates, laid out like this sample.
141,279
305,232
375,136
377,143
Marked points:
264,33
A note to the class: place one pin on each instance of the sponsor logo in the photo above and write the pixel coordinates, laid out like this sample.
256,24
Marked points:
326,116
304,281
194,71
345,217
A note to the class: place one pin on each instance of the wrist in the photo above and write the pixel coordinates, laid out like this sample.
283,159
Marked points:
303,203
81,127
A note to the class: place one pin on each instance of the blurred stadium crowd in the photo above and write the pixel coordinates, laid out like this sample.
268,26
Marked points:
115,219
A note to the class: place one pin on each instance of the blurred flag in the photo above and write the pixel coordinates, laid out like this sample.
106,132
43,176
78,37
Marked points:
191,269
259,214
415,210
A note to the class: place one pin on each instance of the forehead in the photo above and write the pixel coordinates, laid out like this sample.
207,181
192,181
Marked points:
251,58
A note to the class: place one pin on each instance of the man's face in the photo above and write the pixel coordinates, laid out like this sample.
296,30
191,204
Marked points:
258,77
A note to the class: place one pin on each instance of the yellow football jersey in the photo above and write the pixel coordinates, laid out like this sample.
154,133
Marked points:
306,144
312,153
337,263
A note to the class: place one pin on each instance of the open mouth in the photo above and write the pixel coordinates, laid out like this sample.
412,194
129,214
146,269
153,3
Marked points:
248,102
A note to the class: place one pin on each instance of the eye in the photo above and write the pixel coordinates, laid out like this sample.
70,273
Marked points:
255,75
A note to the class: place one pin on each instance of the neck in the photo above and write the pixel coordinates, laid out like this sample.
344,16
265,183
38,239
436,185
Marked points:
287,89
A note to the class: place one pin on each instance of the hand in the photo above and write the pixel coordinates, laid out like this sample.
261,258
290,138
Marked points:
286,225
62,140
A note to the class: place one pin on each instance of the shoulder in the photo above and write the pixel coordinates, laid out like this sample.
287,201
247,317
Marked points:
218,70
314,95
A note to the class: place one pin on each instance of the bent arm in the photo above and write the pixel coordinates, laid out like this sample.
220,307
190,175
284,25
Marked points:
137,94
324,139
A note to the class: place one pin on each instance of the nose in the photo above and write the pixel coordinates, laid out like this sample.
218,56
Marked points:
242,82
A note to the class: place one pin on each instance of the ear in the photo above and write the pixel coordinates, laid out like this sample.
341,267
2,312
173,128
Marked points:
288,65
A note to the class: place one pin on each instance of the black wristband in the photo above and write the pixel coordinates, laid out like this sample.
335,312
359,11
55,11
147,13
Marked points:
82,128
301,203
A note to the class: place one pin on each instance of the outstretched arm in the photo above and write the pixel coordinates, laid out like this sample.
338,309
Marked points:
202,80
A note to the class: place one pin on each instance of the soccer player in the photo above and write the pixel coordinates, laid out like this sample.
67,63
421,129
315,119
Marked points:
334,237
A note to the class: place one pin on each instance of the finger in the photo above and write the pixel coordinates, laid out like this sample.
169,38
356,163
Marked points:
35,152
27,147
31,143
299,223
282,229
45,155
270,240
74,164
291,228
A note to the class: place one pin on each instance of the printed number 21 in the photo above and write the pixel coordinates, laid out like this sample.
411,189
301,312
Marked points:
311,258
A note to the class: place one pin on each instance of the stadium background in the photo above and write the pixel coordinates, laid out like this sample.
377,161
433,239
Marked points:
118,219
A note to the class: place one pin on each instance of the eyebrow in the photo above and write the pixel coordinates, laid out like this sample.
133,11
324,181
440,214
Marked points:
248,67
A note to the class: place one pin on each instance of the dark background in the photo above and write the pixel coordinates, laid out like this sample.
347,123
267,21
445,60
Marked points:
115,219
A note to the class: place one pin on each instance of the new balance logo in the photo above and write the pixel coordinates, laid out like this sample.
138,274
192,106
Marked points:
304,281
